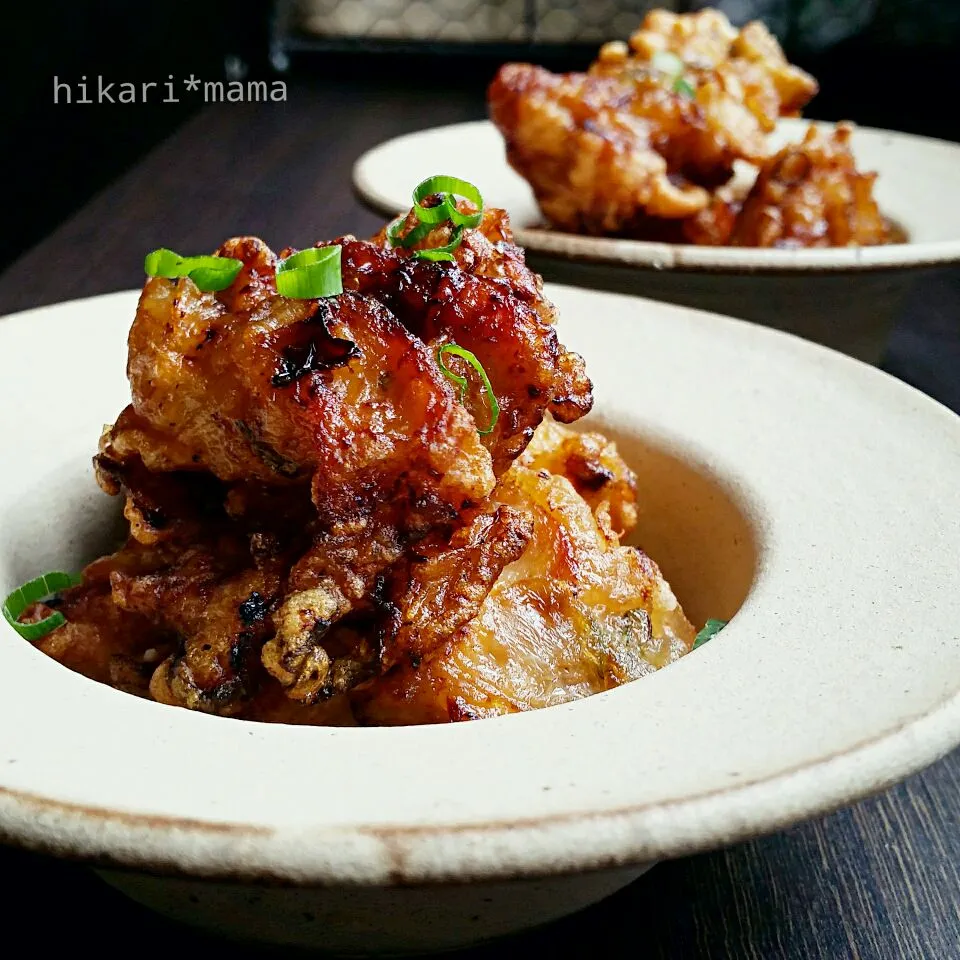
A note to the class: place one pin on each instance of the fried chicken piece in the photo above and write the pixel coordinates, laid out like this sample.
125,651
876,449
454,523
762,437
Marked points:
713,225
302,452
161,508
532,602
441,586
577,613
101,640
491,304
749,63
651,128
704,37
254,386
811,195
740,81
317,518
221,610
324,646
588,146
593,466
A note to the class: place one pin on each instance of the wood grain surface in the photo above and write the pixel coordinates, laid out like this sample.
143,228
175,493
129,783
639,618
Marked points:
879,881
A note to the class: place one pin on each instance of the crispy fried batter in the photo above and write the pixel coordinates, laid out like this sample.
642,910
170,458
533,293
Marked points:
593,466
811,195
493,305
316,524
332,419
100,639
632,141
533,603
441,586
644,144
576,614
749,63
253,386
581,143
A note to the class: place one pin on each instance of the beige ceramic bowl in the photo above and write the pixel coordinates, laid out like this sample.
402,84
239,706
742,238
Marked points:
811,498
846,298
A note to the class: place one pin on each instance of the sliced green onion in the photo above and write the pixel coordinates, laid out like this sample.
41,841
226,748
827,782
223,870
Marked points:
458,351
208,273
31,592
441,213
418,233
448,188
414,236
442,253
669,64
666,62
311,273
710,629
445,211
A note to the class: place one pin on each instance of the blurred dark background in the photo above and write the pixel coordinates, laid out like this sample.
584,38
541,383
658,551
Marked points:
888,63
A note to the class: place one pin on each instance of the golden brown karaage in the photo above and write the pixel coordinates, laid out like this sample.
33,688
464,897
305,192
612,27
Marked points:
811,194
644,143
331,523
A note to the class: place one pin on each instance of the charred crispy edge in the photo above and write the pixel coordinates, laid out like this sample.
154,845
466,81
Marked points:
487,545
321,351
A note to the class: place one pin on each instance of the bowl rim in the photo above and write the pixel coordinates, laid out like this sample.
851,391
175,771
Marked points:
654,255
539,845
168,846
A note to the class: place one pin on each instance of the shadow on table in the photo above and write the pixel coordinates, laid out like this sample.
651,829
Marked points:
924,349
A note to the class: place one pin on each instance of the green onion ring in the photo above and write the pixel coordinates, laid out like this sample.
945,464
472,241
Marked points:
418,233
208,273
666,62
444,252
447,187
710,629
31,592
311,273
414,236
461,382
446,211
671,66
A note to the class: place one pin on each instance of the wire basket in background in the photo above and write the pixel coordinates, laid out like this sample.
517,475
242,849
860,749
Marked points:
476,21
317,24
459,25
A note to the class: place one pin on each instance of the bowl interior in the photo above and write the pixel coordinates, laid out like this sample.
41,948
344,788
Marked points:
690,522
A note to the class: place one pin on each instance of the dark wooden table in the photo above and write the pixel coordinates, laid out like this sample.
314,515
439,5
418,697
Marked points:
879,881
